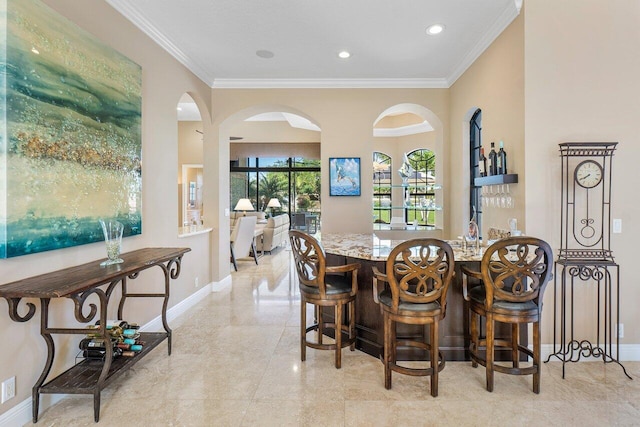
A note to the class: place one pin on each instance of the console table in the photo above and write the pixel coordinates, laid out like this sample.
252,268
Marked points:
78,284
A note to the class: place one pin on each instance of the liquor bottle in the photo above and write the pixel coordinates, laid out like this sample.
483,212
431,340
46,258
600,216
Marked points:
482,163
123,324
92,343
131,333
493,161
93,348
502,160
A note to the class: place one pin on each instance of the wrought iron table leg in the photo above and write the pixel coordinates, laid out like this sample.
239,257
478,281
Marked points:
44,320
96,406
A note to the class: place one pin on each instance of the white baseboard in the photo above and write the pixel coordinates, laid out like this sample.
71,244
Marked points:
221,285
20,414
17,416
179,309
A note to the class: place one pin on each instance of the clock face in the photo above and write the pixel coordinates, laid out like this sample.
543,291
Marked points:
588,174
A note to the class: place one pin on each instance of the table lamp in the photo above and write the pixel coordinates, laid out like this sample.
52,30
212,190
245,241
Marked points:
273,203
244,205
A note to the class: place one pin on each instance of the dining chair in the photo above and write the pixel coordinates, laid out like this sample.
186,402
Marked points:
242,240
299,221
417,275
324,286
513,275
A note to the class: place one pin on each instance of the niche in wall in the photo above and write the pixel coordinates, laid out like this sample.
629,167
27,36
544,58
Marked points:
406,138
190,160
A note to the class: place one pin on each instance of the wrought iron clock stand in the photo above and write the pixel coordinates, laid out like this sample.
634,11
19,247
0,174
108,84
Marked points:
585,256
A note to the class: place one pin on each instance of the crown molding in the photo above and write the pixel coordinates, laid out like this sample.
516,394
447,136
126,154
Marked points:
329,83
504,20
129,11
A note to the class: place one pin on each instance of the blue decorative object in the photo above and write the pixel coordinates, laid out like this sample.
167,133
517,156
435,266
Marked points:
344,176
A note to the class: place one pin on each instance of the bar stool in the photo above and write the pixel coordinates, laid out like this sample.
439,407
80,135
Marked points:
418,275
322,286
514,273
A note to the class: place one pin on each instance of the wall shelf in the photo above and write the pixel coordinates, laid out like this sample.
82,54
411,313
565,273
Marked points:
425,186
417,208
511,178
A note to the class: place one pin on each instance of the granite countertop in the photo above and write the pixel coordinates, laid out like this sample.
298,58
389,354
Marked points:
371,247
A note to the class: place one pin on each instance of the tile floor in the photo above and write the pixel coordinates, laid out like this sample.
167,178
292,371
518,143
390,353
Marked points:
236,362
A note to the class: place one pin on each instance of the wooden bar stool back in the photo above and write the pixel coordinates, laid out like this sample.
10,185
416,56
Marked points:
322,286
418,275
514,274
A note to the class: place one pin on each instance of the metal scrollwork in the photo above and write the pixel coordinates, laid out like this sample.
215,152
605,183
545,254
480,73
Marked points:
13,310
79,301
579,349
585,273
174,267
587,231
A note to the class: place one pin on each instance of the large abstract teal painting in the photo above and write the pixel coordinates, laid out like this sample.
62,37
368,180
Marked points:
70,133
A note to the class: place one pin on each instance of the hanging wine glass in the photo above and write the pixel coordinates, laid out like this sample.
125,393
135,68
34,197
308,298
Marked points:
509,198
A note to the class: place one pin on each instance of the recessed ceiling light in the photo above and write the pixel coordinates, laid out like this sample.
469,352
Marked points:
434,29
266,54
344,54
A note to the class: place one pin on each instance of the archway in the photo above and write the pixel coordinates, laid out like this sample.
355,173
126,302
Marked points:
262,127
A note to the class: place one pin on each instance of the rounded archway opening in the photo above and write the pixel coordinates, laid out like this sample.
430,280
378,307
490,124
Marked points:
274,154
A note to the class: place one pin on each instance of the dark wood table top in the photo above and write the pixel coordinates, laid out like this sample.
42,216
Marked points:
73,280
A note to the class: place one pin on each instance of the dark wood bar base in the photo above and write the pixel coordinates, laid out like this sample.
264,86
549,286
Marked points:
454,335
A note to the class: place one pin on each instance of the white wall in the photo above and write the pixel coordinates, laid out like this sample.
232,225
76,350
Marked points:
581,68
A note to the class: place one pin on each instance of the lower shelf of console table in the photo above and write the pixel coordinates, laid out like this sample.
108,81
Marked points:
83,377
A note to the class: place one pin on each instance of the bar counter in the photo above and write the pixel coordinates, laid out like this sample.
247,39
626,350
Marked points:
368,250
372,248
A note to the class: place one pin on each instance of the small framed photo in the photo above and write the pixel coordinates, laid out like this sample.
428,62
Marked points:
344,176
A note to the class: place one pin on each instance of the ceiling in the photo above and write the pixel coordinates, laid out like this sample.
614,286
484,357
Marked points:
218,40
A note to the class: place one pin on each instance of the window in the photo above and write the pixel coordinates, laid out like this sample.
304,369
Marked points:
382,200
295,182
475,141
420,198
